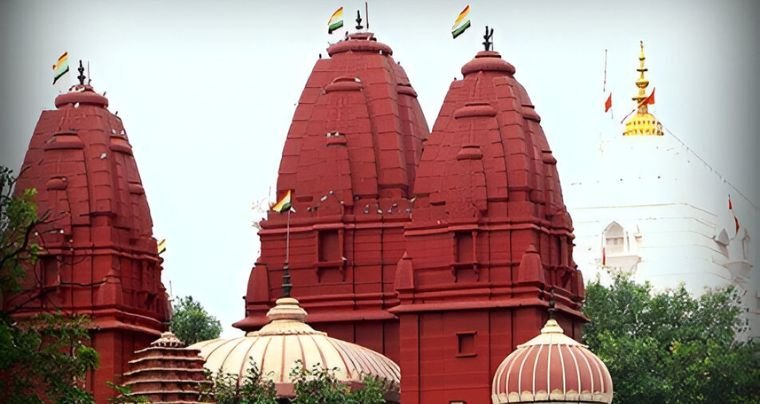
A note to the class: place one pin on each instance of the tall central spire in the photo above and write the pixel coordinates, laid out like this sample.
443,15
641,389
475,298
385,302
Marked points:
642,123
642,82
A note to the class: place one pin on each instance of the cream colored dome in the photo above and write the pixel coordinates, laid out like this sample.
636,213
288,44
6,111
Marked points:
286,339
552,368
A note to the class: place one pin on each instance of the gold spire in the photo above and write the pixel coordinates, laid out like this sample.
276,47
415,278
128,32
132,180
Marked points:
642,123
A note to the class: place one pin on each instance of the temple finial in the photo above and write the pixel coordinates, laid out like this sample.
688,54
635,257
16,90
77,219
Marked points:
487,43
81,76
642,123
642,83
359,26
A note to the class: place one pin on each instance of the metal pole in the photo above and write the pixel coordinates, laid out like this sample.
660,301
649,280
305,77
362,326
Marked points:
286,284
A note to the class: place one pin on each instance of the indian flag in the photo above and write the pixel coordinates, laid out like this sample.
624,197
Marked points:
284,204
61,67
336,21
462,22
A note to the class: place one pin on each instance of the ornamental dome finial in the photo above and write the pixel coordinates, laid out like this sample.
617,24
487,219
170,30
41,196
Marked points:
642,123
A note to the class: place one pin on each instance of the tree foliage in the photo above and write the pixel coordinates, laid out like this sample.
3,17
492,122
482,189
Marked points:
253,389
191,323
312,386
124,395
45,357
670,347
319,385
18,220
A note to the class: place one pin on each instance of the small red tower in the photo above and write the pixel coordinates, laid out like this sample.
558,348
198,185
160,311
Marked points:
350,158
489,239
98,256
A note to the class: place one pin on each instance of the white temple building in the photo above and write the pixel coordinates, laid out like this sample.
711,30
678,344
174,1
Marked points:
663,219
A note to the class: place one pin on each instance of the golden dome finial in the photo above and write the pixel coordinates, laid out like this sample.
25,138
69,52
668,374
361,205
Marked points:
642,123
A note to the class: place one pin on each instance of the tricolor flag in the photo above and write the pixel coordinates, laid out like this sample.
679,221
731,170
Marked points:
161,246
733,214
608,103
285,204
336,21
61,67
462,22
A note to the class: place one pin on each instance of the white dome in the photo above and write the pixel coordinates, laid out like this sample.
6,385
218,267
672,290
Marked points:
287,339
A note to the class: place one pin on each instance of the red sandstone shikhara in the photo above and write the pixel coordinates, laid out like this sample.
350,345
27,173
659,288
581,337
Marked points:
99,257
437,250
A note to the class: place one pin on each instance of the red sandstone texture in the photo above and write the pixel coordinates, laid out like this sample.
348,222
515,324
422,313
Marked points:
444,265
350,157
490,236
99,256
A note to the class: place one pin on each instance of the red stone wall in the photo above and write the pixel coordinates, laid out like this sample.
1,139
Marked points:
489,239
350,158
99,256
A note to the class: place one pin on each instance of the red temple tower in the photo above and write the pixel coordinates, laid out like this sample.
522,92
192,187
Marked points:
99,257
489,242
350,158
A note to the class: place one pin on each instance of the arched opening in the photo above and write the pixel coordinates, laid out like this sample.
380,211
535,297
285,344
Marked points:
614,238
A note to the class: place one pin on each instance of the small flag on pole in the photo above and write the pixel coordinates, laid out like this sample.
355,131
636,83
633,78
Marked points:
462,22
650,100
161,246
336,21
61,67
608,103
733,214
285,204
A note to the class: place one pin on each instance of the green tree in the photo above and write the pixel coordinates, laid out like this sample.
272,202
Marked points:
46,357
312,386
320,386
670,347
253,389
192,323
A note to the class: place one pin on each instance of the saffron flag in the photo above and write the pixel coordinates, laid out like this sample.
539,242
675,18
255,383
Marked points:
161,246
733,214
608,103
649,100
462,22
336,21
285,204
61,67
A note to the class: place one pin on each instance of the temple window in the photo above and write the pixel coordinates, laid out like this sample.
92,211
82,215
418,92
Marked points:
466,344
329,246
465,248
614,238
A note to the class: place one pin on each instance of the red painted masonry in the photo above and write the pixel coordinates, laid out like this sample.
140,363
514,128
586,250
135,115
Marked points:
350,157
99,256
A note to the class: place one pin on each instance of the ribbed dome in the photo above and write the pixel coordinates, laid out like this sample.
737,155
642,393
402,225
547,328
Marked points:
286,339
552,367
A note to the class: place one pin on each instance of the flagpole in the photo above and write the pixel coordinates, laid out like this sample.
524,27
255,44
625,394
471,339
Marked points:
286,284
604,84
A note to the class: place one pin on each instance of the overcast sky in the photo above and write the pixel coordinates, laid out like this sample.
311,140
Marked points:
207,89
